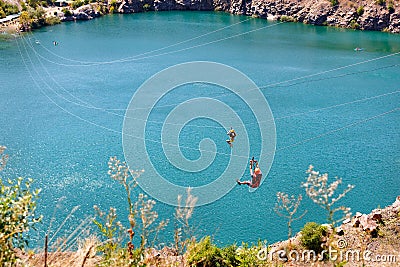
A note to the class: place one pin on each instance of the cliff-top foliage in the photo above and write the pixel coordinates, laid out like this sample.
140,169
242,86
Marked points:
7,9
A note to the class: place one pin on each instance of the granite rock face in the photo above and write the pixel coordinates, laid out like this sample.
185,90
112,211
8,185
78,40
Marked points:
364,15
85,12
370,223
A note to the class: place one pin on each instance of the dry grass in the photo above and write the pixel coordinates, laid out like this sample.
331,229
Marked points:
84,256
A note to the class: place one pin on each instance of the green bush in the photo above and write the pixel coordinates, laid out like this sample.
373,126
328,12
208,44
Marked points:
249,255
52,20
204,254
354,24
146,7
23,6
360,10
33,3
334,2
7,9
311,236
17,216
77,3
229,255
391,7
66,12
2,13
25,20
284,18
113,6
111,230
380,2
37,16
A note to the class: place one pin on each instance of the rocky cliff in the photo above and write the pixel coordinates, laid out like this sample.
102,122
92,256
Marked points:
379,15
363,240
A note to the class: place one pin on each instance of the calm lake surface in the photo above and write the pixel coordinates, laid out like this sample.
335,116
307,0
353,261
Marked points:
62,113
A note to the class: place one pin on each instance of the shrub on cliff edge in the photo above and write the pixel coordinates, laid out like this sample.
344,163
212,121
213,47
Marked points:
360,11
204,253
334,2
311,236
17,215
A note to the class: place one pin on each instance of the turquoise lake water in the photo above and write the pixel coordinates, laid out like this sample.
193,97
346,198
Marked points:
62,113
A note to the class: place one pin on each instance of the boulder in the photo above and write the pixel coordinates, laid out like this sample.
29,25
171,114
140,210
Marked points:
348,220
318,13
368,224
81,16
89,10
162,5
396,204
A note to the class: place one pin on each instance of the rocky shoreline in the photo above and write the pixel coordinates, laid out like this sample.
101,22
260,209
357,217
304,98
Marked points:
376,15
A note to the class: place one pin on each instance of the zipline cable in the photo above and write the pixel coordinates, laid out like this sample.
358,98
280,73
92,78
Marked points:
198,149
171,105
148,52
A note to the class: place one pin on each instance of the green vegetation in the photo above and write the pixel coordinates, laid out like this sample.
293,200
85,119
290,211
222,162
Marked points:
249,255
52,20
340,264
34,18
25,20
391,7
311,236
17,214
7,9
284,18
113,6
146,7
66,12
78,3
334,2
33,15
33,3
40,3
111,230
204,254
380,2
37,17
354,24
360,11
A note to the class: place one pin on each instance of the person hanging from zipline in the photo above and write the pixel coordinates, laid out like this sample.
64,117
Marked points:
232,134
255,174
